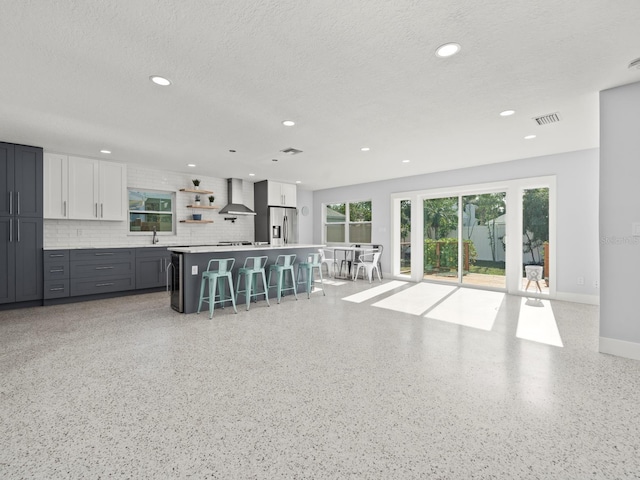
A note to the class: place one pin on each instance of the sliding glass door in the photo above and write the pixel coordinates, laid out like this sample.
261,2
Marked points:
535,241
441,249
468,236
484,226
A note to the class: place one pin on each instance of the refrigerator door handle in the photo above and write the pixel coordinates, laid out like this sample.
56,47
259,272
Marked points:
285,228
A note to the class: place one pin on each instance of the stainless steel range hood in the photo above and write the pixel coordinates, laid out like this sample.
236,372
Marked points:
235,203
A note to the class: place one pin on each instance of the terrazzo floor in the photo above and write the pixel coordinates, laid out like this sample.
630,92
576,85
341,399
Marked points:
371,387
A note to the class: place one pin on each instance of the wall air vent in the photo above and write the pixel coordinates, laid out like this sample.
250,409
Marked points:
547,119
291,151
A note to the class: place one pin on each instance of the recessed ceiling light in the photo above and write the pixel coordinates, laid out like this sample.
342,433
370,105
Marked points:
105,151
288,123
406,161
529,137
635,63
158,80
191,165
507,113
365,149
298,181
252,174
447,50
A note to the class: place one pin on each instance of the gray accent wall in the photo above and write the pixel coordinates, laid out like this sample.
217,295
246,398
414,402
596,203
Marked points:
577,209
305,222
619,209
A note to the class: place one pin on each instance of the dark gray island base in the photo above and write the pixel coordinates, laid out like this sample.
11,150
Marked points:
186,284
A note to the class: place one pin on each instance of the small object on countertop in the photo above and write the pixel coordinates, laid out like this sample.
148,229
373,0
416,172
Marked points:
197,216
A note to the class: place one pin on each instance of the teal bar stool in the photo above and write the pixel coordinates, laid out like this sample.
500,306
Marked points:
252,267
314,260
284,264
218,274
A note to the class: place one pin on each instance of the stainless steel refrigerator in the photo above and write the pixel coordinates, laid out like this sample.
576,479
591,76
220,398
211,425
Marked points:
277,225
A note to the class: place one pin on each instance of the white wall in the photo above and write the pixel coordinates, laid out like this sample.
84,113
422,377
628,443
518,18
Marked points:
577,209
77,233
619,209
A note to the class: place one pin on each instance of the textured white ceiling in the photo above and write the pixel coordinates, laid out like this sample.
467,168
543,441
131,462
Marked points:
351,73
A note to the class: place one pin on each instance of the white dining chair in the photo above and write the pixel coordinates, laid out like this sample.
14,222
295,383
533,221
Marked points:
327,258
368,261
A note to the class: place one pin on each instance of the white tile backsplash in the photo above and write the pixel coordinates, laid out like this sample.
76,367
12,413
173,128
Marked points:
90,233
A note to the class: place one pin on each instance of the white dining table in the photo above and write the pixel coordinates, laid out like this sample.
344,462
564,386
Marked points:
347,258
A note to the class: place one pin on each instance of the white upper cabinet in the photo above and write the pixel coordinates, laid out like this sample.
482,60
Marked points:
281,194
83,188
56,186
89,190
112,191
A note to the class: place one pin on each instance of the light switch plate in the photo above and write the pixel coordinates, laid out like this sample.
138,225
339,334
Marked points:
194,269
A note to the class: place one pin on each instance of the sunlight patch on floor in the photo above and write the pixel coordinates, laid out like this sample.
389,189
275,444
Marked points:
469,307
374,292
417,299
538,323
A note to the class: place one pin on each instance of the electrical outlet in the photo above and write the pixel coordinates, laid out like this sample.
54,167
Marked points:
596,284
194,269
580,280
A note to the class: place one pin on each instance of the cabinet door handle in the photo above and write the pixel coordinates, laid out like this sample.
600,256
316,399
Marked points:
64,208
96,214
18,223
18,206
10,230
103,254
104,268
56,289
102,210
52,255
57,270
10,203
104,284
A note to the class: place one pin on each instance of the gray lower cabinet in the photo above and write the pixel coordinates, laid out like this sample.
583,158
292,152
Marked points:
91,271
56,274
98,270
151,267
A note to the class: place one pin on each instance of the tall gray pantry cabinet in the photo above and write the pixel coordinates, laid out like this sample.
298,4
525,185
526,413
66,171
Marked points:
21,223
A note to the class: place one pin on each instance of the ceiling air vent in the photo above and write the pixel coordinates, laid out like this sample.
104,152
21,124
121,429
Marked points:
547,119
291,151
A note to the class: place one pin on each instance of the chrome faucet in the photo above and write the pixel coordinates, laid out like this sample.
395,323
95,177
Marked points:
154,240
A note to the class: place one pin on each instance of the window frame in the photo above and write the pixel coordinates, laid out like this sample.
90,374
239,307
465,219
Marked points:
347,221
172,213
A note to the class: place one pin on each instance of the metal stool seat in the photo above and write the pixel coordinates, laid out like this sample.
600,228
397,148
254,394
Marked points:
314,260
217,274
284,264
252,266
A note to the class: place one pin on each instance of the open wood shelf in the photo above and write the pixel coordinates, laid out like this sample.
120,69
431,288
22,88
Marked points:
202,206
196,221
190,190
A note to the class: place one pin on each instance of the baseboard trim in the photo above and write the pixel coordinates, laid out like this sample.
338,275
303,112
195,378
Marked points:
578,298
620,348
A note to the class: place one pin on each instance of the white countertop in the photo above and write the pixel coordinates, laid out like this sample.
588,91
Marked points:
241,248
122,245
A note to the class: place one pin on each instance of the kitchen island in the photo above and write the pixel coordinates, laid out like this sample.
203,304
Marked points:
188,263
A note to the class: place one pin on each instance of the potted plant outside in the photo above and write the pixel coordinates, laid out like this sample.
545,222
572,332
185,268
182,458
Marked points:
196,184
211,199
197,200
